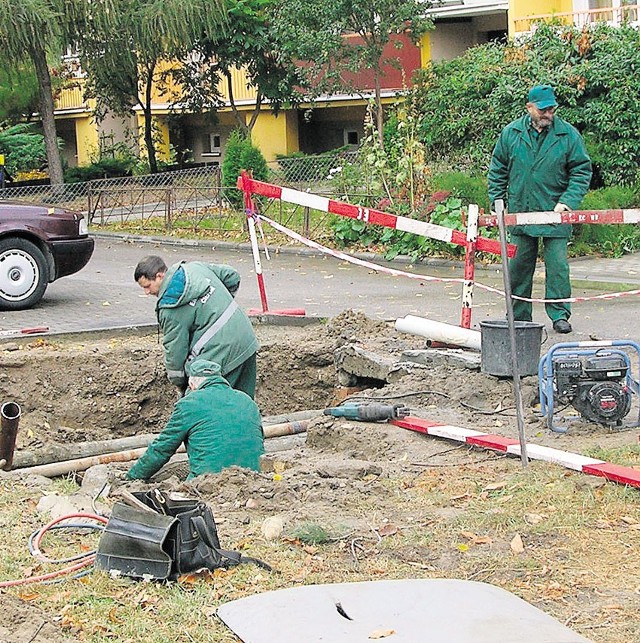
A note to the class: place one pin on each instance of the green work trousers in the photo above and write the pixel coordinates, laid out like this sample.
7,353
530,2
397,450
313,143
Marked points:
557,282
243,377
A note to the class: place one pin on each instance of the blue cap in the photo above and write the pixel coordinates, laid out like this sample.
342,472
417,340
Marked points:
543,97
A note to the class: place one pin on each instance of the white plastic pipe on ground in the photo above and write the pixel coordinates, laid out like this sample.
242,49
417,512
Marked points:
439,332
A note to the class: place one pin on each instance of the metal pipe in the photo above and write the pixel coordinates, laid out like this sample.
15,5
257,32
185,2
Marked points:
517,389
10,413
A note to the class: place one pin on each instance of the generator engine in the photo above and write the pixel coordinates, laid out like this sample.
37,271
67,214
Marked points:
595,386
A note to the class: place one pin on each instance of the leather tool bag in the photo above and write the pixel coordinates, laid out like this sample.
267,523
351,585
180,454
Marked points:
163,538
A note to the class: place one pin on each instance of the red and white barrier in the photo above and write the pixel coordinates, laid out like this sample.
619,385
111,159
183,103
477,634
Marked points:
577,216
368,215
575,461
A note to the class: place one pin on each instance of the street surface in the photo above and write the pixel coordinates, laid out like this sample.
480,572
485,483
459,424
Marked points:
103,295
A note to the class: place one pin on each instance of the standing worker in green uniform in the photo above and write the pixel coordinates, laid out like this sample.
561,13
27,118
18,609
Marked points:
221,427
199,317
540,164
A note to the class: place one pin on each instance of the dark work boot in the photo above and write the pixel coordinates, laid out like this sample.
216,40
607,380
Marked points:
562,326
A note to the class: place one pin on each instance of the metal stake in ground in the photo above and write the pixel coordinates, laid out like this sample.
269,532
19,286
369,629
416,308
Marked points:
517,391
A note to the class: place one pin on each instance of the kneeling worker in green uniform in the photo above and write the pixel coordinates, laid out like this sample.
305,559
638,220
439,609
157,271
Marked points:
220,426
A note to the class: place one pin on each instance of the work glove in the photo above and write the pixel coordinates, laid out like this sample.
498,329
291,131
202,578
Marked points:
561,207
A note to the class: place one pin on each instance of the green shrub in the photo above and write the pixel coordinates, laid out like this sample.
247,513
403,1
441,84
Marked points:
612,240
467,187
465,102
105,168
239,155
23,147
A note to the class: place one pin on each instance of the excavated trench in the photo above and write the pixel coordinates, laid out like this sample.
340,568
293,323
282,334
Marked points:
102,386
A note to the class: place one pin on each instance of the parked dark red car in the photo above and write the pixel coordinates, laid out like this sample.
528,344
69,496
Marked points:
38,244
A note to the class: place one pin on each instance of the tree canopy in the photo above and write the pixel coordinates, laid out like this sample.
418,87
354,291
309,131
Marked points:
249,42
129,47
315,30
30,31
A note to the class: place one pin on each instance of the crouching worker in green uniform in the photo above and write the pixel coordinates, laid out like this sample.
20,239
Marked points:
219,425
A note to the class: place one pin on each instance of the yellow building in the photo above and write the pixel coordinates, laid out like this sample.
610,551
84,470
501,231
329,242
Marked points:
333,121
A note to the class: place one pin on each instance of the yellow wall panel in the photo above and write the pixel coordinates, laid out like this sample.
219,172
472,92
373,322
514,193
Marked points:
86,139
276,134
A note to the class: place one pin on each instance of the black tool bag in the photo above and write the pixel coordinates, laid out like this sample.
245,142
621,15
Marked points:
164,540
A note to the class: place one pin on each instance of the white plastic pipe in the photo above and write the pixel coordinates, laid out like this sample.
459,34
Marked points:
439,332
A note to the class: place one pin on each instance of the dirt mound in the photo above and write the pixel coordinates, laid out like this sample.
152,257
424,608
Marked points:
24,622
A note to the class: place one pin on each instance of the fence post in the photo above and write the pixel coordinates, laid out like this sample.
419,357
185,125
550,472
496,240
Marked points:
306,225
167,209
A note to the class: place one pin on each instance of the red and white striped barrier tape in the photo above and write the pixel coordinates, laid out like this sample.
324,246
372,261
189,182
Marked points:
591,466
577,216
369,215
411,275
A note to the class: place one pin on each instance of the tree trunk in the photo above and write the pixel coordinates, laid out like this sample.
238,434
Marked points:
236,114
379,110
148,122
39,58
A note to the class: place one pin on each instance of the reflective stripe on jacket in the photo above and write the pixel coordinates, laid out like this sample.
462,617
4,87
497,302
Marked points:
199,317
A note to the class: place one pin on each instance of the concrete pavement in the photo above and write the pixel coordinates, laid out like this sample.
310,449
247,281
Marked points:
103,295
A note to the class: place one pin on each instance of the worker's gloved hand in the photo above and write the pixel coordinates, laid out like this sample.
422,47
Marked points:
561,207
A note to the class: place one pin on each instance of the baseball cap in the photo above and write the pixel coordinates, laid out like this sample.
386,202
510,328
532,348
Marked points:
203,368
543,96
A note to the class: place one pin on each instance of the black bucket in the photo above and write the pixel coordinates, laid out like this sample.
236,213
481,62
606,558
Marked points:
495,351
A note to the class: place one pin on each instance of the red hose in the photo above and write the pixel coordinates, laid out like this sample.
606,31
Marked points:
67,570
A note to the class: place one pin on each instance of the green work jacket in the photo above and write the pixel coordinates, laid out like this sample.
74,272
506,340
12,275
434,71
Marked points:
535,181
220,427
199,317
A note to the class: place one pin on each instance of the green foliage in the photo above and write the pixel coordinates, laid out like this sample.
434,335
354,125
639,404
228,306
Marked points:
311,533
105,168
241,154
18,94
470,188
608,240
313,30
23,147
467,101
248,41
127,47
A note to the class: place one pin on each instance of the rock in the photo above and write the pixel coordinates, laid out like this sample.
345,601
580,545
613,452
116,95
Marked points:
272,527
58,506
348,469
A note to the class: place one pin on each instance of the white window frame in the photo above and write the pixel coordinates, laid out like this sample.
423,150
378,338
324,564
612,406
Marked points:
214,147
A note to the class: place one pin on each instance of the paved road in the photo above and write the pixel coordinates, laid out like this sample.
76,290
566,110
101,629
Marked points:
104,295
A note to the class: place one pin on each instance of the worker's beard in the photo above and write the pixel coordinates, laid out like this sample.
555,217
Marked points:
541,122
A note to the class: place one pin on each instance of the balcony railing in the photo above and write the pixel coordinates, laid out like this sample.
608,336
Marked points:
71,97
614,16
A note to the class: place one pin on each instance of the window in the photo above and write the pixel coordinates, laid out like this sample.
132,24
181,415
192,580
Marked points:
212,144
351,137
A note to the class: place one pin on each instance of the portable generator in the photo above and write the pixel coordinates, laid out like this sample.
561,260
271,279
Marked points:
595,378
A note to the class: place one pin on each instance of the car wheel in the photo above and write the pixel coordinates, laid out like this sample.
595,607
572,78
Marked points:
23,274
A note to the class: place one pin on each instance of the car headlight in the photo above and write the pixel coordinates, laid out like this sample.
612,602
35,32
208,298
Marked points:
83,226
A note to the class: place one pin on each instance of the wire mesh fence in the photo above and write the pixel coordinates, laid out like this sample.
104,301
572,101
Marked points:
195,200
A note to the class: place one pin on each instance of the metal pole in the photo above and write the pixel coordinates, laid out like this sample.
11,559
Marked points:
517,390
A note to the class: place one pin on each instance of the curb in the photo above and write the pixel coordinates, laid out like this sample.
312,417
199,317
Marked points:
575,461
